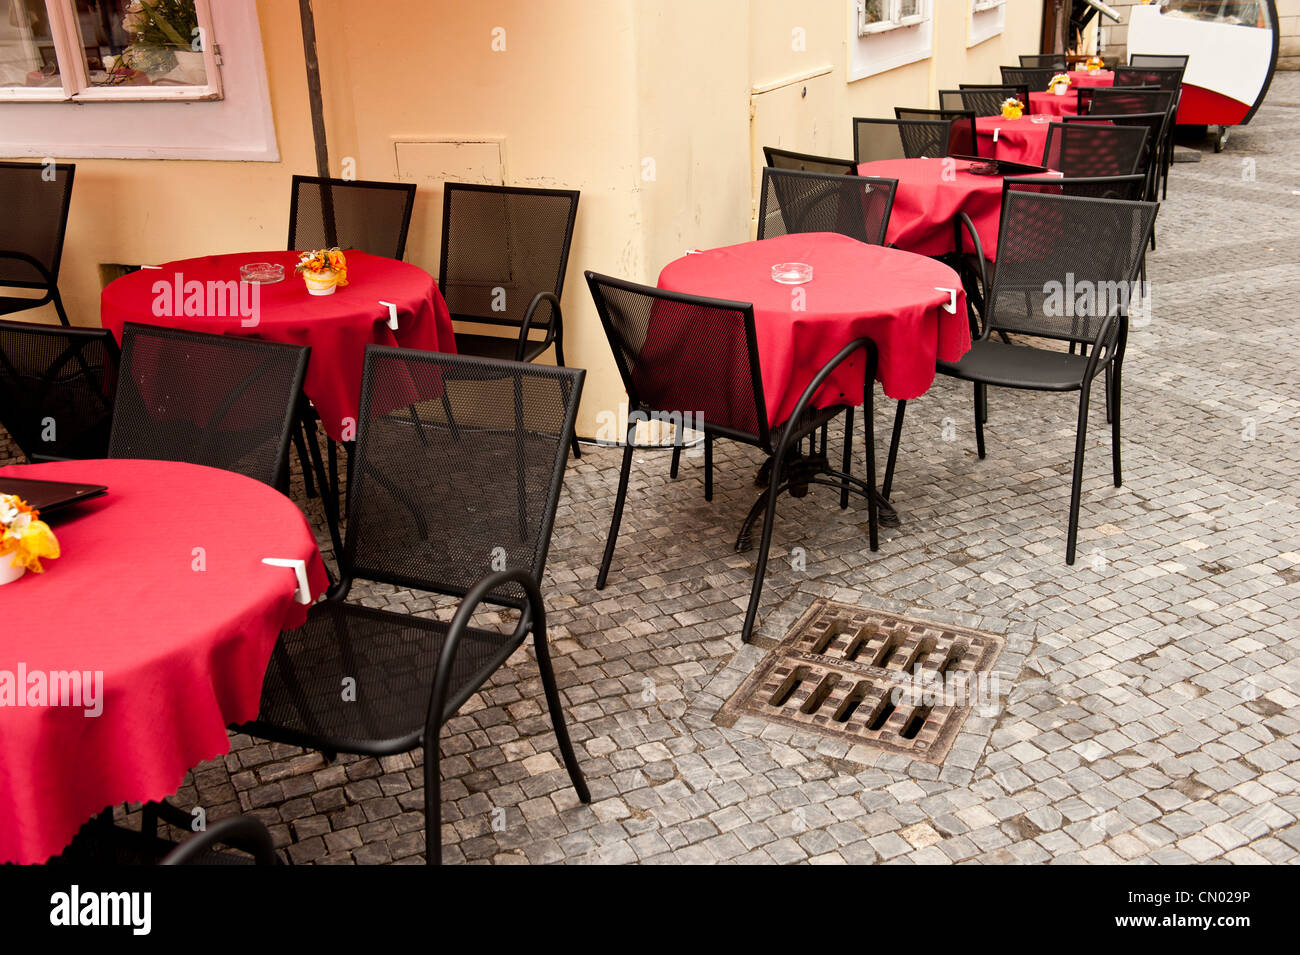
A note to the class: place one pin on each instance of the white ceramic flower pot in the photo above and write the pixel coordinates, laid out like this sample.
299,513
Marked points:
320,283
1060,90
9,574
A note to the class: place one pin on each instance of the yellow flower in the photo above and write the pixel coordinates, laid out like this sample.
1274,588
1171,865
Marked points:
23,538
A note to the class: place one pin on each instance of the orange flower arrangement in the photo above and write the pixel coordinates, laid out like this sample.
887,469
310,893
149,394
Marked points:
24,538
324,260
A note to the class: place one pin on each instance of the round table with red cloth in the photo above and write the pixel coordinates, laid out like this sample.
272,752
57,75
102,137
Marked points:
181,636
895,298
1084,78
1049,104
1017,140
338,327
931,193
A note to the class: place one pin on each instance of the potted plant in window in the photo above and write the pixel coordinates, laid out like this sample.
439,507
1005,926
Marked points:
165,41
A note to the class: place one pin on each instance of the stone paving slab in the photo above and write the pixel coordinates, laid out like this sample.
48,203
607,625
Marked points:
1152,712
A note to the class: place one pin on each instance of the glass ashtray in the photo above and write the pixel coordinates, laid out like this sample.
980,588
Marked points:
1040,118
261,273
792,273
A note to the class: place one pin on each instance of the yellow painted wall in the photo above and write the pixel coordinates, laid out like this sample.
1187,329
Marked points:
584,92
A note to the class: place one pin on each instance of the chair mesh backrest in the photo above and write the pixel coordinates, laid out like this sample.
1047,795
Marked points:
501,245
803,162
1138,60
350,214
682,354
1091,149
56,389
961,131
856,206
1033,78
458,469
35,199
1165,77
875,139
1115,100
1152,123
1129,188
217,400
987,100
1065,262
1047,61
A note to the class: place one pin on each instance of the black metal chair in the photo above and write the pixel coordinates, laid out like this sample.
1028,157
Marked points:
875,139
374,217
1056,62
457,476
240,832
685,354
216,400
505,251
1169,78
1092,149
56,389
793,201
1117,100
805,162
962,140
1050,249
1152,123
986,99
1142,60
1033,78
35,198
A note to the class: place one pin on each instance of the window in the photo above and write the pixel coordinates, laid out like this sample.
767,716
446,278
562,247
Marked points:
877,16
108,50
987,18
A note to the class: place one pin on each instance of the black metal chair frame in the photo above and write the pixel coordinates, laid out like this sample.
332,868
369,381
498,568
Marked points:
1019,90
772,175
240,832
1033,78
1109,341
1160,59
280,478
957,117
802,471
1054,61
76,339
348,185
1163,76
899,125
555,326
777,158
49,275
443,704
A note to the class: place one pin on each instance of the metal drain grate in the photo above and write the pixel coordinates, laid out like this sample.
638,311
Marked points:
871,678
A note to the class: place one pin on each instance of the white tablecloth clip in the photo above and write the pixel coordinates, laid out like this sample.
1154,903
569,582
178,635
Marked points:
951,307
151,267
392,314
996,130
303,593
692,252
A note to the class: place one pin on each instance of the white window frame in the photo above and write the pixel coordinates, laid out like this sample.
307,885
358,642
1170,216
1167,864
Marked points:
894,19
987,20
65,30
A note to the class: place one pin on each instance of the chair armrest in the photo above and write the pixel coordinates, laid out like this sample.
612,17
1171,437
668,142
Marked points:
34,263
554,328
1114,326
964,223
813,386
241,832
533,618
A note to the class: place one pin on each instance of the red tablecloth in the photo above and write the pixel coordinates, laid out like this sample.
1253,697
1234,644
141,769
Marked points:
1049,104
338,327
931,192
857,291
1084,78
182,650
1018,140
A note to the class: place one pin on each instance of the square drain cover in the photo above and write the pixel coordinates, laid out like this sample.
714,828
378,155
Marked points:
870,678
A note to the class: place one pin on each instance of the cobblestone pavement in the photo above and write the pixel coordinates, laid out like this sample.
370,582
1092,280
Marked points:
1152,712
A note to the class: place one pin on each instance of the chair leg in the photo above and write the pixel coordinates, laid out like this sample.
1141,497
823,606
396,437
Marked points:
1109,408
869,436
765,544
1076,487
618,514
677,460
1113,393
432,803
980,398
847,467
298,431
557,717
708,467
559,360
893,450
